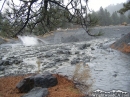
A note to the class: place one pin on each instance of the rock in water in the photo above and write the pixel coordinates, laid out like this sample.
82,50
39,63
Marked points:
2,68
37,92
84,46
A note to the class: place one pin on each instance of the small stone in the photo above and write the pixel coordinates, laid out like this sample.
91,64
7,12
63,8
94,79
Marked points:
92,48
1,62
60,51
66,52
65,59
63,52
6,62
48,54
115,75
17,61
50,65
2,68
75,61
37,92
87,60
60,64
77,52
57,60
84,46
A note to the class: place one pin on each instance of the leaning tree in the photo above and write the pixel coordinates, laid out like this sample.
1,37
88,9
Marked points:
44,15
126,7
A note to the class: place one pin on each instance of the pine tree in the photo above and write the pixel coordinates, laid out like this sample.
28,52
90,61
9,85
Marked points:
125,8
107,18
115,18
101,16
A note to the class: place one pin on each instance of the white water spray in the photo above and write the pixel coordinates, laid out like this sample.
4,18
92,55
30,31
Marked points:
30,40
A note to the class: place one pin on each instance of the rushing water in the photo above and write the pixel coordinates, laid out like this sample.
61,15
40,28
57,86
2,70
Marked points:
28,40
109,69
31,40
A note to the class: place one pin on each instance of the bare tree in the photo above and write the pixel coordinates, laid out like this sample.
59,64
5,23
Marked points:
30,14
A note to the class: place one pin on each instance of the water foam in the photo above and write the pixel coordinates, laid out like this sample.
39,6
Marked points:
29,40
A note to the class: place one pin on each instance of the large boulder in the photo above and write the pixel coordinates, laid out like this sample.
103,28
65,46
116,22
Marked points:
25,85
45,80
37,92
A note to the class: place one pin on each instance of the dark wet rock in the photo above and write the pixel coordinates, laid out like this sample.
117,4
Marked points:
115,75
59,64
84,46
87,57
75,61
57,60
17,61
65,59
87,60
92,48
46,66
37,92
63,52
77,52
9,62
48,54
67,52
45,80
25,85
51,65
101,45
60,52
1,62
6,62
2,68
13,61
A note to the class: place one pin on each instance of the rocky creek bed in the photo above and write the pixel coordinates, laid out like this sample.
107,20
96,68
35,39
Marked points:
89,61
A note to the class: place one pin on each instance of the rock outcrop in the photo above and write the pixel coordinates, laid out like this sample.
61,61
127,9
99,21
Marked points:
123,44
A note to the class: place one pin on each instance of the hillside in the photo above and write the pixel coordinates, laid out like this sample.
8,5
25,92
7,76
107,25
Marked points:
112,8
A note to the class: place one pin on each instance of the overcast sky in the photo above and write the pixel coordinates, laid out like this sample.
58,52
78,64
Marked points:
96,4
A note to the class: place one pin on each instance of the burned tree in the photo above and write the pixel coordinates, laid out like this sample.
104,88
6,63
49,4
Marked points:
42,16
